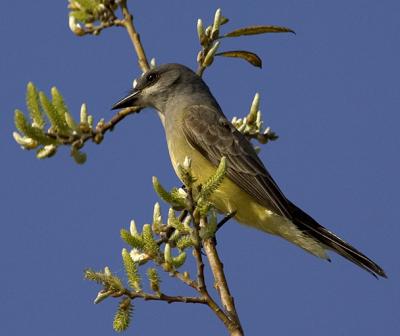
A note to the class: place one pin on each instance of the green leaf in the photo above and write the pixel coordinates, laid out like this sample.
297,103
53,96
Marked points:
175,222
131,270
186,175
79,157
214,181
25,142
123,316
254,30
32,132
184,242
57,119
208,231
248,56
46,151
179,260
157,220
82,16
87,4
150,245
32,103
224,20
133,240
154,279
62,109
109,281
171,198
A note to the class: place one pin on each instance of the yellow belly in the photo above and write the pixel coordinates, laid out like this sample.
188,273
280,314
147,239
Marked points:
229,197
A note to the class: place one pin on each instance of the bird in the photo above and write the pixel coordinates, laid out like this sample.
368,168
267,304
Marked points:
196,127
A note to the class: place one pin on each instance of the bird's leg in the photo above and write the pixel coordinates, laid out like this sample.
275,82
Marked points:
222,222
225,219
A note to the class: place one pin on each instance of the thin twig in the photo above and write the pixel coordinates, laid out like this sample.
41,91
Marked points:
197,248
183,278
94,134
134,36
164,297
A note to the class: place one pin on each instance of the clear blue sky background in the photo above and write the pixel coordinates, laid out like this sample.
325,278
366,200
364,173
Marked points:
332,94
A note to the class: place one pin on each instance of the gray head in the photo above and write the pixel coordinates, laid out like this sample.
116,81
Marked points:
166,86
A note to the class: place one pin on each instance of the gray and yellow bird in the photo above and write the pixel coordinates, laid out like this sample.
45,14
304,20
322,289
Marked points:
195,126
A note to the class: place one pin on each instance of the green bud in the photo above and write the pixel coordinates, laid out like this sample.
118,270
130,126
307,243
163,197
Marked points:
25,142
201,32
179,260
90,120
255,106
133,228
167,254
210,55
84,114
216,24
46,151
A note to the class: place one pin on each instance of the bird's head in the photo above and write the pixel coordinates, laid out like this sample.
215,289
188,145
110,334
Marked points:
156,86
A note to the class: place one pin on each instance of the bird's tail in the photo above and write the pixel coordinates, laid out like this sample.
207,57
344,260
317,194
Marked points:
311,228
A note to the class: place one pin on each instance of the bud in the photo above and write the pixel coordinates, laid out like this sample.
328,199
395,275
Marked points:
157,212
74,5
98,138
90,120
208,31
216,24
187,163
200,57
139,257
258,119
46,151
100,124
210,55
84,115
70,121
201,32
25,142
102,295
167,254
255,106
182,192
75,27
171,216
133,229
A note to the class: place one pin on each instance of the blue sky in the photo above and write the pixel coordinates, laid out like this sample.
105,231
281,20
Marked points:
332,94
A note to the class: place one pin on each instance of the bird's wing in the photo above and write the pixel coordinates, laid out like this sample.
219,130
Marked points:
209,132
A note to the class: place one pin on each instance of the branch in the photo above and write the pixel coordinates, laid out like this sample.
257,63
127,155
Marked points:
162,297
221,284
134,36
98,133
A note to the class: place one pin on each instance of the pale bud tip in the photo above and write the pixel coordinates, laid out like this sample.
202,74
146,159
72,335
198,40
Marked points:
187,162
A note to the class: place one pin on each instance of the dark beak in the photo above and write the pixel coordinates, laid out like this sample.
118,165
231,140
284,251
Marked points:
128,101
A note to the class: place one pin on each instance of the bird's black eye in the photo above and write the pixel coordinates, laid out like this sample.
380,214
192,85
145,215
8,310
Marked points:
151,77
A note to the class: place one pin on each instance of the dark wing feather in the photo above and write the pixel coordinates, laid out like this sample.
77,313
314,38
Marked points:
207,130
309,226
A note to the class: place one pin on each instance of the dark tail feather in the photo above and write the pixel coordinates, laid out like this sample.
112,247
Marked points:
309,226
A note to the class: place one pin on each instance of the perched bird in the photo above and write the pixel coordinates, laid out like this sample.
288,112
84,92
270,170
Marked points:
195,126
